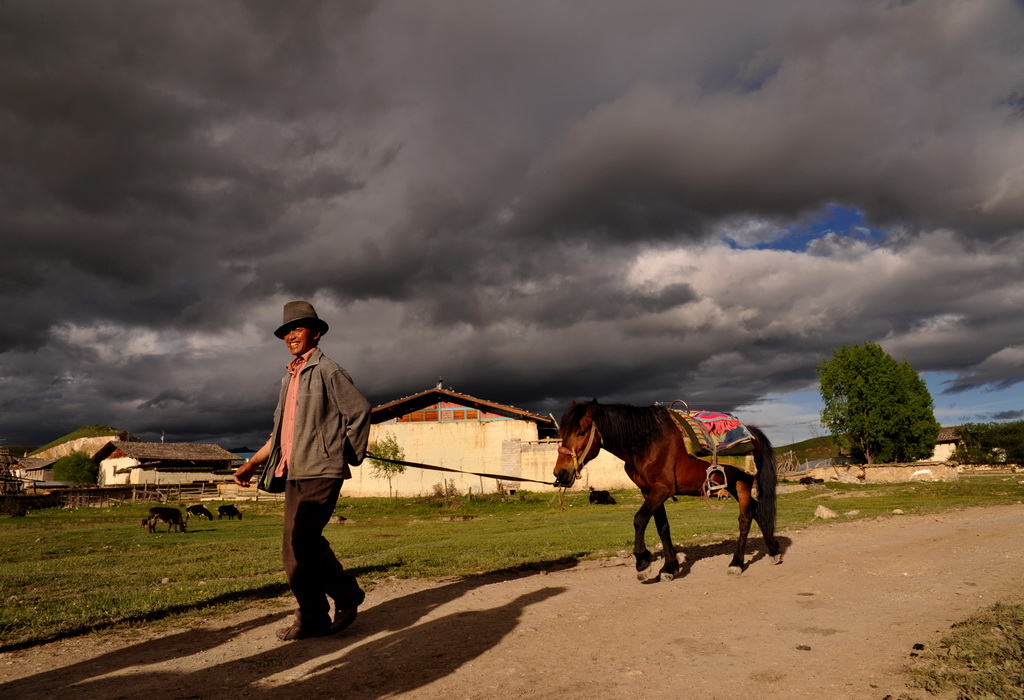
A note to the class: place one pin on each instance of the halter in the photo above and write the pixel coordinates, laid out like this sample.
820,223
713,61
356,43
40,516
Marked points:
579,458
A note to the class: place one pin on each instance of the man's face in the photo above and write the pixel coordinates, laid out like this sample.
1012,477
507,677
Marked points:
301,340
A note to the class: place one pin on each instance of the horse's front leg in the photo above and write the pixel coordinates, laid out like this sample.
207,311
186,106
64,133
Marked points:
641,554
653,505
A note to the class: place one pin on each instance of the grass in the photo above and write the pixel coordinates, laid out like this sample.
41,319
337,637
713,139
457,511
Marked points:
982,657
68,572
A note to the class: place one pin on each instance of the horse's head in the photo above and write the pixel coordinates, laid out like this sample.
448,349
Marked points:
580,442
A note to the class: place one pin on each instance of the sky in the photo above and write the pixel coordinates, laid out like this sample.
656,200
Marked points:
531,202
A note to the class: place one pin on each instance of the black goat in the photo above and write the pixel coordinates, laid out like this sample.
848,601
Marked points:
229,512
171,516
198,510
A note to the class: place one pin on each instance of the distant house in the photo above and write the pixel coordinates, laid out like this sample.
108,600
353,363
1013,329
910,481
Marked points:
945,445
123,462
445,428
33,469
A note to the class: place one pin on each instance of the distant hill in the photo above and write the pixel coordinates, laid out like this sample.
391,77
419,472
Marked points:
87,431
18,450
809,450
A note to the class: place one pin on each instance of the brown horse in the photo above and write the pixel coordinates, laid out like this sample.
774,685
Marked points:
657,461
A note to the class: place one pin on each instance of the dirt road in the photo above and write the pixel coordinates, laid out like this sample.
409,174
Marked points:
838,619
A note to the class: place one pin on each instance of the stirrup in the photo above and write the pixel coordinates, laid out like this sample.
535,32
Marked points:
709,485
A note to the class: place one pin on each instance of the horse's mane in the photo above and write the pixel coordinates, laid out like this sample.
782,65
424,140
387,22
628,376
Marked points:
629,430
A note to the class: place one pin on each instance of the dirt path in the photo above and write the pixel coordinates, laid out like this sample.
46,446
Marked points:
837,620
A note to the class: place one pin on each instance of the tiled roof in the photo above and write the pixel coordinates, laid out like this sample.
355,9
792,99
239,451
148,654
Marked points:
167,451
430,397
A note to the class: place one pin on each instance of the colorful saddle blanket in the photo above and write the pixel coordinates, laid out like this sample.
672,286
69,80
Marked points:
720,435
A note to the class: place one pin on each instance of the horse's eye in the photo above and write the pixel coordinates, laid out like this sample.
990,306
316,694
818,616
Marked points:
581,433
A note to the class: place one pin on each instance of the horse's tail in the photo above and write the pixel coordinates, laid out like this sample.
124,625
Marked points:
767,479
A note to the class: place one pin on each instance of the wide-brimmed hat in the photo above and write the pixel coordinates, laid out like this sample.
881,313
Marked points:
300,313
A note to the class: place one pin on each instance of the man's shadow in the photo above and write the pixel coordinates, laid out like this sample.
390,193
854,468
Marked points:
436,645
419,655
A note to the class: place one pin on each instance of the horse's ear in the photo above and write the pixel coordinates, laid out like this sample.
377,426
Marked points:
572,402
591,408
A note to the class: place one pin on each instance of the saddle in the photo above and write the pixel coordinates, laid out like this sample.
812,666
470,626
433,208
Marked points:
719,438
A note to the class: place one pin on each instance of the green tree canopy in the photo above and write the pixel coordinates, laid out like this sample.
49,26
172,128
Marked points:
991,443
876,407
76,468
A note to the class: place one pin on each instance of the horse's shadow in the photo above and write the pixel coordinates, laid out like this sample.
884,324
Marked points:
694,553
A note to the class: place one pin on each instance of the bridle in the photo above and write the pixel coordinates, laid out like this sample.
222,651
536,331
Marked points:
578,459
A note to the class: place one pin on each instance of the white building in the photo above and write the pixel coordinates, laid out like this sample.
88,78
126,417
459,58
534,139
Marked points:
133,462
440,427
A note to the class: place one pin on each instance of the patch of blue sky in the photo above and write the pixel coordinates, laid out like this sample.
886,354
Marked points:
796,416
843,221
785,418
984,404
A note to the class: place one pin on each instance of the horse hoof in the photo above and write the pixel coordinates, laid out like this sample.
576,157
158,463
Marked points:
647,575
737,570
667,575
777,559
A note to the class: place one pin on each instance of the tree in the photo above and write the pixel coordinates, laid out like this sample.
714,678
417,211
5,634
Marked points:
76,468
385,449
991,443
875,407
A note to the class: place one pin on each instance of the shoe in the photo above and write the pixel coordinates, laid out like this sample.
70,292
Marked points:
343,618
288,634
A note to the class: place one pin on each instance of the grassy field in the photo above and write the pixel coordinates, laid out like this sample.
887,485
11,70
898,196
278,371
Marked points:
68,572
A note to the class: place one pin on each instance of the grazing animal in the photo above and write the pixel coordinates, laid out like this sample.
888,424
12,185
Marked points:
229,512
198,510
601,498
171,516
650,443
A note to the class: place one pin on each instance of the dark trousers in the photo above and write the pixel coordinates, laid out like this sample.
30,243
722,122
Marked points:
313,572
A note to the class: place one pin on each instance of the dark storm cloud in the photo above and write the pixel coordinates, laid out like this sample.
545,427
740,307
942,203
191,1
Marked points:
144,142
525,199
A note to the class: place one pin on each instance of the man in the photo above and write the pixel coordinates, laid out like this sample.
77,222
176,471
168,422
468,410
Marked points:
321,426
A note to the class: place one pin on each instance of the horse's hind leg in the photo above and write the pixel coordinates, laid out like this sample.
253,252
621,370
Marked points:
671,566
768,534
741,492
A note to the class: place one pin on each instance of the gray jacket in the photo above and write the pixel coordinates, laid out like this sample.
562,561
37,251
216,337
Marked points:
332,422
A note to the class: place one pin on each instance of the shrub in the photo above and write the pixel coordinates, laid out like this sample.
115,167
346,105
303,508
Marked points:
76,468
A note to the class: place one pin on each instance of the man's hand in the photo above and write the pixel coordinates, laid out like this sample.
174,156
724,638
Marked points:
243,475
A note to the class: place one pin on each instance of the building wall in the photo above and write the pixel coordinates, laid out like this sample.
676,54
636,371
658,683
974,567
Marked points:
108,475
943,451
603,472
502,446
886,473
126,470
473,446
152,476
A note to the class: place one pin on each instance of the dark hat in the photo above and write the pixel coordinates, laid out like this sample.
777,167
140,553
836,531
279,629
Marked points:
300,313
